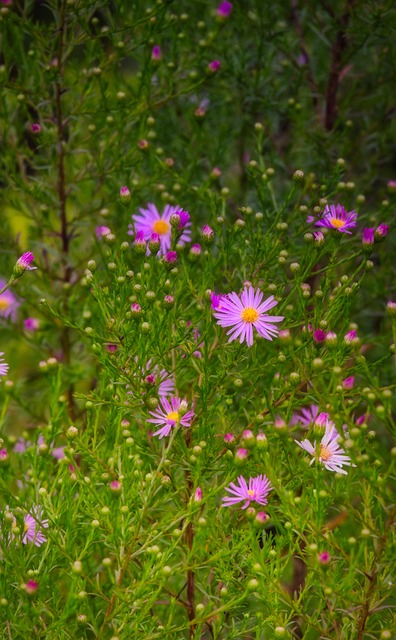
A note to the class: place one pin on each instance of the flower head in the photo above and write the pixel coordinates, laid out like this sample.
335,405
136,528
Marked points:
256,491
310,417
381,232
102,231
3,365
214,66
151,221
337,217
31,324
224,9
125,195
23,263
35,128
319,335
246,311
31,587
368,237
328,452
32,531
169,416
156,53
8,303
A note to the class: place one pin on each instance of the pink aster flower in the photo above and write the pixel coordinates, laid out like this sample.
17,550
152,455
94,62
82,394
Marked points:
170,415
151,221
8,303
348,383
246,311
257,491
327,452
31,587
337,217
310,417
198,494
214,66
32,531
3,365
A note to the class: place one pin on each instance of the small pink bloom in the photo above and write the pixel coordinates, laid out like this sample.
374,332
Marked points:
171,257
350,336
195,250
3,455
224,9
381,232
32,531
125,195
35,128
368,237
256,491
261,518
115,486
241,454
348,383
324,557
207,234
198,494
23,263
319,238
214,66
228,438
319,335
156,53
31,324
31,587
3,365
102,231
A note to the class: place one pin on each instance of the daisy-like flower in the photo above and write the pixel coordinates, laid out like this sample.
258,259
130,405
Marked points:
170,415
246,311
328,452
8,303
256,491
32,531
309,417
3,365
151,221
335,216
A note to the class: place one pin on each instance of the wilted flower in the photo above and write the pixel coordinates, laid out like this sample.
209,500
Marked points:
337,217
246,311
257,491
169,416
151,221
328,452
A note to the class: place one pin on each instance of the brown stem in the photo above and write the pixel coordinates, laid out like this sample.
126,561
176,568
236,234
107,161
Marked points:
62,194
189,538
297,25
372,578
339,46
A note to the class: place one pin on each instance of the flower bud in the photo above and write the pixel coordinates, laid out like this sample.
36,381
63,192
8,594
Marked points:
125,195
72,433
207,235
241,455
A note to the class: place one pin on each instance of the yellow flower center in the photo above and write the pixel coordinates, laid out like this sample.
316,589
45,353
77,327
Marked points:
249,314
173,415
4,304
338,224
250,493
325,453
161,227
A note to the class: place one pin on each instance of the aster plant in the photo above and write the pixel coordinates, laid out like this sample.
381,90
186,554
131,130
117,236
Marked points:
197,368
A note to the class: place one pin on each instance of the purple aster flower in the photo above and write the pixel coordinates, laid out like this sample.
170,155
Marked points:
23,263
170,415
337,217
151,221
32,531
198,494
324,557
246,311
307,417
3,365
368,237
224,9
35,128
31,587
139,243
8,303
257,491
328,452
215,300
